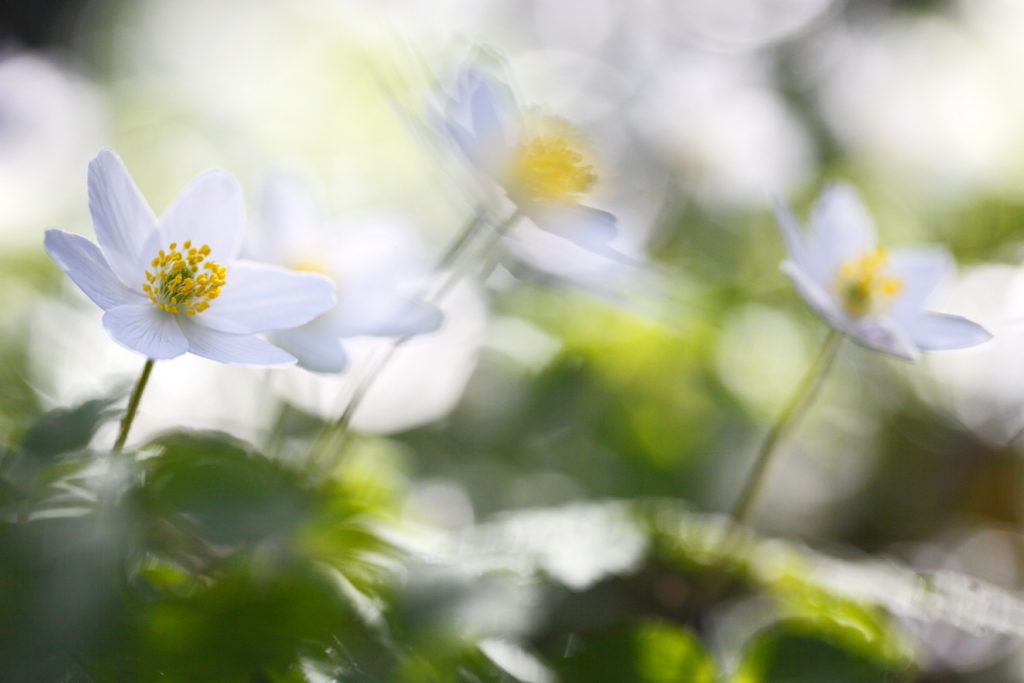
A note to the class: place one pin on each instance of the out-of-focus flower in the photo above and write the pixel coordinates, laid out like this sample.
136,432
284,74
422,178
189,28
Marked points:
539,160
420,384
371,263
874,297
983,389
719,122
52,119
926,106
173,286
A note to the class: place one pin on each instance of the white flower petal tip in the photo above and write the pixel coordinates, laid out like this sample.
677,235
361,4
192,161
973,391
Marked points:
210,210
941,332
161,283
316,350
84,263
121,218
876,299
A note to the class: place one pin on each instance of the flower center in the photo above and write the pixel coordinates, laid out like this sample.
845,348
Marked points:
180,281
551,166
863,285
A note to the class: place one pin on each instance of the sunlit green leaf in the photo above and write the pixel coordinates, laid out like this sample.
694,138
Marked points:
799,651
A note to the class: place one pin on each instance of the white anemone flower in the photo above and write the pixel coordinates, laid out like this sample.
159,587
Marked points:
175,285
540,161
374,260
874,297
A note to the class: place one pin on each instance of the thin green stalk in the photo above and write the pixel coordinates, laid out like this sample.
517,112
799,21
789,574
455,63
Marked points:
787,420
133,406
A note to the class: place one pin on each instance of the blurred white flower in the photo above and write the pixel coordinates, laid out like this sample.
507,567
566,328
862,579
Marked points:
743,24
373,263
925,105
875,298
720,122
161,295
51,122
420,384
983,388
539,160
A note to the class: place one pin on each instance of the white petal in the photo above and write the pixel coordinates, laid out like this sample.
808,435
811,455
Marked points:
820,301
938,331
385,315
792,233
83,262
481,120
122,219
841,228
920,270
316,349
146,329
590,228
209,211
236,349
878,333
289,220
885,335
490,104
259,297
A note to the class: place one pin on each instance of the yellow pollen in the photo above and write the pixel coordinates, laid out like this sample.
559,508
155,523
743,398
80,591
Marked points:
550,164
175,285
863,285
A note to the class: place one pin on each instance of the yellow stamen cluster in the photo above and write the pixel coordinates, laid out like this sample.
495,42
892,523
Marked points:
863,285
181,282
549,165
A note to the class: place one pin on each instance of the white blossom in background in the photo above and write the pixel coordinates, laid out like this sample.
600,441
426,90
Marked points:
541,162
924,105
983,388
719,122
51,122
876,298
375,262
175,285
422,382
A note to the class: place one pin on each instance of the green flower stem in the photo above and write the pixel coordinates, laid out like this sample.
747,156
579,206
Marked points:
787,420
133,406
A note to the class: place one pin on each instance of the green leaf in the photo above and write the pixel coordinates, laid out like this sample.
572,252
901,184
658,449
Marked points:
649,652
800,651
228,492
66,430
254,621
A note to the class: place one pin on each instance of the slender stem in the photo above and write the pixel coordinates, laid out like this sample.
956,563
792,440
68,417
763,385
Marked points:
788,418
460,242
133,405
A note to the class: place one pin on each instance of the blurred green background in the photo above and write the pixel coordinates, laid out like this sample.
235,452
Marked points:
529,494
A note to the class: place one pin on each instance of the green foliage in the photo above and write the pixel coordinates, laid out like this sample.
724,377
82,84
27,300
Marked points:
223,491
646,652
65,430
798,651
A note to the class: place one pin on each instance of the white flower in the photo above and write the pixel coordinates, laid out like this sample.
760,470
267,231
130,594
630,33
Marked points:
173,285
539,160
373,261
874,297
